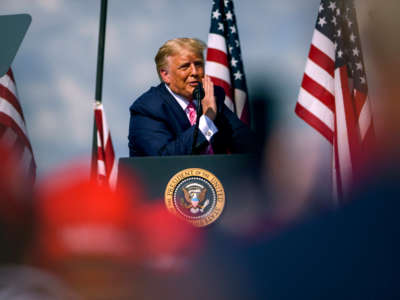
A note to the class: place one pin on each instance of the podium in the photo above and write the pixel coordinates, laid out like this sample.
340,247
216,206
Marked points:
231,175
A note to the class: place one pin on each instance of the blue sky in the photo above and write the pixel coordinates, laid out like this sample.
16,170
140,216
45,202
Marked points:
55,67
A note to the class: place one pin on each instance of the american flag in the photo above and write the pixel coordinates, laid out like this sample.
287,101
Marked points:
106,163
333,97
224,60
13,132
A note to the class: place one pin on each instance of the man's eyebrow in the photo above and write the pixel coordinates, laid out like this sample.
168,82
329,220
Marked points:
185,64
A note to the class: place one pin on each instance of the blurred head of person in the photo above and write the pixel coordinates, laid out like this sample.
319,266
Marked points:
101,240
16,221
85,232
381,36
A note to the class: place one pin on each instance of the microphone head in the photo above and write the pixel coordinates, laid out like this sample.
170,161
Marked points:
198,92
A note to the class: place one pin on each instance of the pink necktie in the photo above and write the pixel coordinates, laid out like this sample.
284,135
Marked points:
191,111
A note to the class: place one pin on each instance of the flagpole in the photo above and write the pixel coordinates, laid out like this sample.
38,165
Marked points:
99,78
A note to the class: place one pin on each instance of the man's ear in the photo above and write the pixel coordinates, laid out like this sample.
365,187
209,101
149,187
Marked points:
165,76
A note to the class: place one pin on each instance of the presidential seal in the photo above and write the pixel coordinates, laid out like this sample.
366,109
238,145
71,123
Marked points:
195,195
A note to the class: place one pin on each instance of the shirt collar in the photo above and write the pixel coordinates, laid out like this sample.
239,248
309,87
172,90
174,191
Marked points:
182,101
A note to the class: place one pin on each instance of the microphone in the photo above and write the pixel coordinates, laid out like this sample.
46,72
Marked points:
198,92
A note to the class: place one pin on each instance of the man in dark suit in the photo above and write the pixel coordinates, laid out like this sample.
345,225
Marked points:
162,119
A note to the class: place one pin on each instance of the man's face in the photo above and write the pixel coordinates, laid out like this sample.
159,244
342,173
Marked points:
183,72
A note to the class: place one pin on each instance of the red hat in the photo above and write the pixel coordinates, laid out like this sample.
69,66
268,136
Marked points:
78,217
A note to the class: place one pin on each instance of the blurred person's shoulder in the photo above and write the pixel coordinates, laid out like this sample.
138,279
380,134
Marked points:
26,282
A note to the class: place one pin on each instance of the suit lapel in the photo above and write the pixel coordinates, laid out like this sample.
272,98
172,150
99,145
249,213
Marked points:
174,108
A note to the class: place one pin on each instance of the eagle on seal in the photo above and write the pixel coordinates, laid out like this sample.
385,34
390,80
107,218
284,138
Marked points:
194,200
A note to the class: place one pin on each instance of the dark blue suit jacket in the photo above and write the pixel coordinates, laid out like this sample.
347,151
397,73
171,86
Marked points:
159,126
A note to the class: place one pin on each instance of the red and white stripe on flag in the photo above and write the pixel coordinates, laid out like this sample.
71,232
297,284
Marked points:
333,95
224,60
106,162
13,132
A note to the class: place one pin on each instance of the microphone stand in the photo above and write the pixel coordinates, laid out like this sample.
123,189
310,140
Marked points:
198,94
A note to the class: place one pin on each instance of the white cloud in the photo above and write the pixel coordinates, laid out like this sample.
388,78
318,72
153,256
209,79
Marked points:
76,103
42,124
88,28
50,6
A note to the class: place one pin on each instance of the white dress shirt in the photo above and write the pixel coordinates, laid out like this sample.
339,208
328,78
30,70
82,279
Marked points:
206,125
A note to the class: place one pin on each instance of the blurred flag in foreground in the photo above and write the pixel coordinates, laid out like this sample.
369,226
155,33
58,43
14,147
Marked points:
224,60
333,97
13,133
106,166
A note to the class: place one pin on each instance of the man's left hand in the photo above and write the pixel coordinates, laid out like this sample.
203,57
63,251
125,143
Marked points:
209,103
